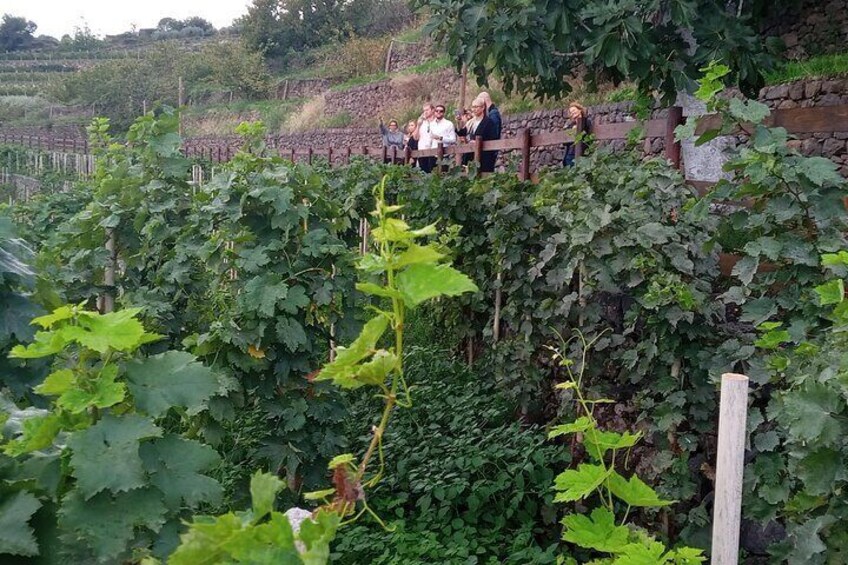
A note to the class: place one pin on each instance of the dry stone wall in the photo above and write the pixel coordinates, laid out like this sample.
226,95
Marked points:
405,55
808,94
810,27
304,88
370,101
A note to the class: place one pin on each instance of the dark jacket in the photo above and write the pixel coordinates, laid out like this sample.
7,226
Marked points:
495,115
487,129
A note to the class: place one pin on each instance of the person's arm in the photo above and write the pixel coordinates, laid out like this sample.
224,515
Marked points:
383,129
449,136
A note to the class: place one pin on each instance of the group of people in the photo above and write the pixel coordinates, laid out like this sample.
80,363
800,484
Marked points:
481,121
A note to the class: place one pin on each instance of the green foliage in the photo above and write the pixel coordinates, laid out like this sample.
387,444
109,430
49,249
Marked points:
464,481
791,270
283,28
16,33
119,475
821,66
257,536
119,88
601,479
657,46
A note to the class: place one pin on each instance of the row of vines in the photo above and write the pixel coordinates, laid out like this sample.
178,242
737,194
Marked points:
593,297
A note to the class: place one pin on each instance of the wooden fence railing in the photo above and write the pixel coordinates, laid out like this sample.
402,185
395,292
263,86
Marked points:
823,119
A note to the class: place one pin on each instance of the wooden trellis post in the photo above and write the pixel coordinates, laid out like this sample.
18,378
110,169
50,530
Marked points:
730,463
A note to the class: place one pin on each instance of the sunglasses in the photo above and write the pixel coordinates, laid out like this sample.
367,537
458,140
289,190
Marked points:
440,111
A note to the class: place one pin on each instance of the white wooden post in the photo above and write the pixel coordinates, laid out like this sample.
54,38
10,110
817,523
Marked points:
730,462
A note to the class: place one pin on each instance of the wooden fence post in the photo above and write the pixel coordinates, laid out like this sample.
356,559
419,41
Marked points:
385,153
293,155
347,155
478,149
309,155
388,66
109,272
330,159
524,134
440,157
394,154
672,146
730,463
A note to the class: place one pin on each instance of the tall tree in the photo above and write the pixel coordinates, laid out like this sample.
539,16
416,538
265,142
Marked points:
535,45
16,33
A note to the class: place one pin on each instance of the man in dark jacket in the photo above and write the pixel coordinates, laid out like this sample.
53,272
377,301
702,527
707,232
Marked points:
486,129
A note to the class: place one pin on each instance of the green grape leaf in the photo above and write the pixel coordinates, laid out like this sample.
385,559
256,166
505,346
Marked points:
263,492
598,442
598,532
106,457
835,259
810,413
107,522
831,292
646,553
748,110
580,483
56,383
58,315
343,368
581,424
176,466
415,254
203,543
291,333
745,269
119,330
270,543
102,392
44,344
377,290
392,230
635,492
371,263
375,371
170,379
338,460
422,282
38,432
317,534
819,471
16,535
687,556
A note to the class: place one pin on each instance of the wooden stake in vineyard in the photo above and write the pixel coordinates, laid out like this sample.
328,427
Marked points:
730,462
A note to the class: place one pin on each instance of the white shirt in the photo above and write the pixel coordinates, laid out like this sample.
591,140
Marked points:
425,137
444,131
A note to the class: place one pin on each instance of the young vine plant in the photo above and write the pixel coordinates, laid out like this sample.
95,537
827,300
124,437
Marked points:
401,273
605,528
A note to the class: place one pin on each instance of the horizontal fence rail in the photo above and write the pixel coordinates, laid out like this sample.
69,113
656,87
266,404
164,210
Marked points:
823,119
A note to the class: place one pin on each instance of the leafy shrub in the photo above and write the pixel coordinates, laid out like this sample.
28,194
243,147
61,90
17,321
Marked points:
464,483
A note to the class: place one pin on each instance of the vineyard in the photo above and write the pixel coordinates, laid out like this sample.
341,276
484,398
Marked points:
297,363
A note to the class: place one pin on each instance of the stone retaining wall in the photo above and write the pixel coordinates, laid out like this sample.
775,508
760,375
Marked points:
810,27
375,99
304,88
406,55
808,94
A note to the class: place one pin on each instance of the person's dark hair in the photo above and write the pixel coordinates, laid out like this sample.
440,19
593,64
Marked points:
440,107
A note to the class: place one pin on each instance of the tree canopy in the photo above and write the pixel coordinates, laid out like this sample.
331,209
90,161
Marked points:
280,27
15,33
536,45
